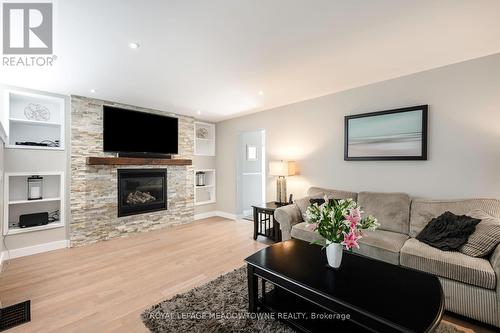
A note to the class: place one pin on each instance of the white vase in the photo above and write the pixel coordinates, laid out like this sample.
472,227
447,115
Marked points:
334,254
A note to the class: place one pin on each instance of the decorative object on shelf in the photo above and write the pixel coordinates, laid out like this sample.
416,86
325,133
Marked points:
282,169
202,133
200,178
38,112
339,222
54,216
35,187
44,143
33,220
399,134
51,143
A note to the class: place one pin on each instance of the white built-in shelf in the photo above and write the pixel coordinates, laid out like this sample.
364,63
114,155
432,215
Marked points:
53,225
34,122
16,201
33,147
22,128
205,194
204,139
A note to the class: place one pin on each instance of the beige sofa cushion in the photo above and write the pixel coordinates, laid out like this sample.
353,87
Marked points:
382,245
448,264
300,231
424,210
378,244
391,209
318,192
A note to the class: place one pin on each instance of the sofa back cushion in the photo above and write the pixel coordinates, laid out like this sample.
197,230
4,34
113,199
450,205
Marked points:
391,209
318,193
424,210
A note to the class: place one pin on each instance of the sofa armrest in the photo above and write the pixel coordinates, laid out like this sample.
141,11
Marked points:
495,262
287,217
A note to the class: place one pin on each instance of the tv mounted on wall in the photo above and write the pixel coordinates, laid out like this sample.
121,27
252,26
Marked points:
139,134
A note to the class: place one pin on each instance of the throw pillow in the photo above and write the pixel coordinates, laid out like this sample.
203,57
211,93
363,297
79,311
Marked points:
303,203
448,231
485,238
319,201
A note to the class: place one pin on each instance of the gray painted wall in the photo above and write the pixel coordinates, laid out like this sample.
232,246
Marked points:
464,137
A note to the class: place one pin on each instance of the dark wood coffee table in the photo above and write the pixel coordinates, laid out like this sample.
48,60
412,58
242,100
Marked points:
311,297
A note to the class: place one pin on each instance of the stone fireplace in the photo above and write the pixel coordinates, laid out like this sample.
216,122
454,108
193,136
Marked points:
94,195
141,191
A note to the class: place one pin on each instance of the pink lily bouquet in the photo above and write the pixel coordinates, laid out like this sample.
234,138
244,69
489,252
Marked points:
339,222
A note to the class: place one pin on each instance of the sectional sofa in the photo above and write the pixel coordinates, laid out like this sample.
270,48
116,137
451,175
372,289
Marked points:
471,285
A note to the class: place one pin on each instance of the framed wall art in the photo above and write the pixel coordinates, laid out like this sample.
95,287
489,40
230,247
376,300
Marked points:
399,134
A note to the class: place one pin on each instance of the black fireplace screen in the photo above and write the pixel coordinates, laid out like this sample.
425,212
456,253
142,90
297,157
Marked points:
141,191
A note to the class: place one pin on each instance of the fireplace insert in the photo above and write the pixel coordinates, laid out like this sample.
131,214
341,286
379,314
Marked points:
141,191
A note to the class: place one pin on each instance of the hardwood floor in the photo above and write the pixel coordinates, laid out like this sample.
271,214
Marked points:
105,287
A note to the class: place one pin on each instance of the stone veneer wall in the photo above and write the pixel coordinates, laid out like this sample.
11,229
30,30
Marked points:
93,197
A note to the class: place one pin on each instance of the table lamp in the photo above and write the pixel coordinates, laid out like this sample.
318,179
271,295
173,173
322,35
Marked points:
281,169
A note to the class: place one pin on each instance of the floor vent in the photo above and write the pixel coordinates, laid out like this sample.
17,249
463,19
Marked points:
14,315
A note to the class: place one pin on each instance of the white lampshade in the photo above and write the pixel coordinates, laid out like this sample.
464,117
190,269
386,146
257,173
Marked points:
282,168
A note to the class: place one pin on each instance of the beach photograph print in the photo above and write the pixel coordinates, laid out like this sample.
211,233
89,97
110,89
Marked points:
387,135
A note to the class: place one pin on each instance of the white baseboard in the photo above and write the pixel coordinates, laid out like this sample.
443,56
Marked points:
2,258
215,213
204,215
29,250
226,215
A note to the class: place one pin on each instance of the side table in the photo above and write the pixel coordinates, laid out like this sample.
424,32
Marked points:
264,223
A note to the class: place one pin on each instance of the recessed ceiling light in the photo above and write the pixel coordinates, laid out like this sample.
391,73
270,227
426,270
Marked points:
92,91
133,45
198,112
261,92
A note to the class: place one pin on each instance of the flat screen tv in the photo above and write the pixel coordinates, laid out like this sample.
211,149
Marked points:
134,133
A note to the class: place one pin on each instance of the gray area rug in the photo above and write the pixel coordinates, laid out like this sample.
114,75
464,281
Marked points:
219,306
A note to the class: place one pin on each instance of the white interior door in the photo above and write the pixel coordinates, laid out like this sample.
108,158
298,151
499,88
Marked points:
251,170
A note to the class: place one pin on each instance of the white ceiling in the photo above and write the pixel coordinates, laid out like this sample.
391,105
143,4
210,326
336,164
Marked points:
216,55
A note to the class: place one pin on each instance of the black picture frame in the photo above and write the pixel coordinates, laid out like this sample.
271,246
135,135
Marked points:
422,156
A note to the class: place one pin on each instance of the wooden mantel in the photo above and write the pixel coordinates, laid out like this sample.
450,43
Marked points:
136,161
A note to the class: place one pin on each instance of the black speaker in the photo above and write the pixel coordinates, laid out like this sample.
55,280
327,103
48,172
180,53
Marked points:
33,220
